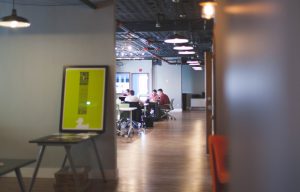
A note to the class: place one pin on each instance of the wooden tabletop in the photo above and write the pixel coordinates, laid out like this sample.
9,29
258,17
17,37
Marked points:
127,108
64,138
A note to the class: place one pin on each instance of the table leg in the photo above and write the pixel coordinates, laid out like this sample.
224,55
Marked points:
20,179
98,159
75,176
131,125
37,166
64,162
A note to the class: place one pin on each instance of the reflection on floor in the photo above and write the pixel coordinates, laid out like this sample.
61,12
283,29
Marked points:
171,158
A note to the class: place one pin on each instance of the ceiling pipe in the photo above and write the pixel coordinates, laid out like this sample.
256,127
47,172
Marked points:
142,40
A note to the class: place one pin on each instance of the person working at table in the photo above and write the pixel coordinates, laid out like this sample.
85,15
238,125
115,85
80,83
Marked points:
164,100
126,93
154,96
132,98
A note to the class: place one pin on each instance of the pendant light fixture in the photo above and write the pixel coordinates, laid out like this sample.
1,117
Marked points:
13,20
193,62
208,9
185,47
175,39
186,52
198,68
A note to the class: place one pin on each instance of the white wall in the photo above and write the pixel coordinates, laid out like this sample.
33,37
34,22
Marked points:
136,66
31,69
168,78
192,81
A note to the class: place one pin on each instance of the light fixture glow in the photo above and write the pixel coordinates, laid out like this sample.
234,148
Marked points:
129,47
186,52
197,68
183,47
208,9
176,39
130,58
13,20
193,62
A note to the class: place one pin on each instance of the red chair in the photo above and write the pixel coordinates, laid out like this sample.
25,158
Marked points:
218,146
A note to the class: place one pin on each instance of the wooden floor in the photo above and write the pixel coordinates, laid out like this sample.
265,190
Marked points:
170,158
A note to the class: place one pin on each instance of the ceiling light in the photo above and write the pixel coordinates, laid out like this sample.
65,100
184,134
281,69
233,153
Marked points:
208,9
13,20
186,52
129,47
197,68
176,39
193,62
183,47
130,58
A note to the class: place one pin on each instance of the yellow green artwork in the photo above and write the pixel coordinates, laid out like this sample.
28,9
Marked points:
83,99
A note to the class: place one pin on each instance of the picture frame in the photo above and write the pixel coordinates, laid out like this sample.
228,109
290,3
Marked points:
83,99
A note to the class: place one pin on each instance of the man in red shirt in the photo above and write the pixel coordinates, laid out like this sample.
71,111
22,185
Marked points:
164,100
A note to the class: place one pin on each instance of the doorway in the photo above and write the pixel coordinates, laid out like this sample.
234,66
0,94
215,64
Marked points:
140,83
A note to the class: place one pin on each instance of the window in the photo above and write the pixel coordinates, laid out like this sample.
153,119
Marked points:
122,82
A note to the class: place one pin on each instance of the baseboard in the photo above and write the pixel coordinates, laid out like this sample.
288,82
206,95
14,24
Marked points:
48,173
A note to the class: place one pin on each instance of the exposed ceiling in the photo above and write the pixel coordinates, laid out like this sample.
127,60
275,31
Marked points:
138,37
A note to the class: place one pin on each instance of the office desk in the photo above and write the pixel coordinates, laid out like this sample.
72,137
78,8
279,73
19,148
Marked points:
67,141
130,109
9,165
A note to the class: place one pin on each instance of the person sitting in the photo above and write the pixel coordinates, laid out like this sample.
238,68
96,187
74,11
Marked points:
126,92
164,100
154,96
132,98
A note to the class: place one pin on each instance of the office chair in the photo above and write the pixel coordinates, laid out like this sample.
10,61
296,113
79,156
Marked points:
167,111
124,122
137,119
218,149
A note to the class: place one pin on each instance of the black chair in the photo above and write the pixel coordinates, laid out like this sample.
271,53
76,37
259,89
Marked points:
123,125
136,114
154,111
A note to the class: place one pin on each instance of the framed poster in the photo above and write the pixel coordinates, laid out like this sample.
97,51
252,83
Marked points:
83,99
